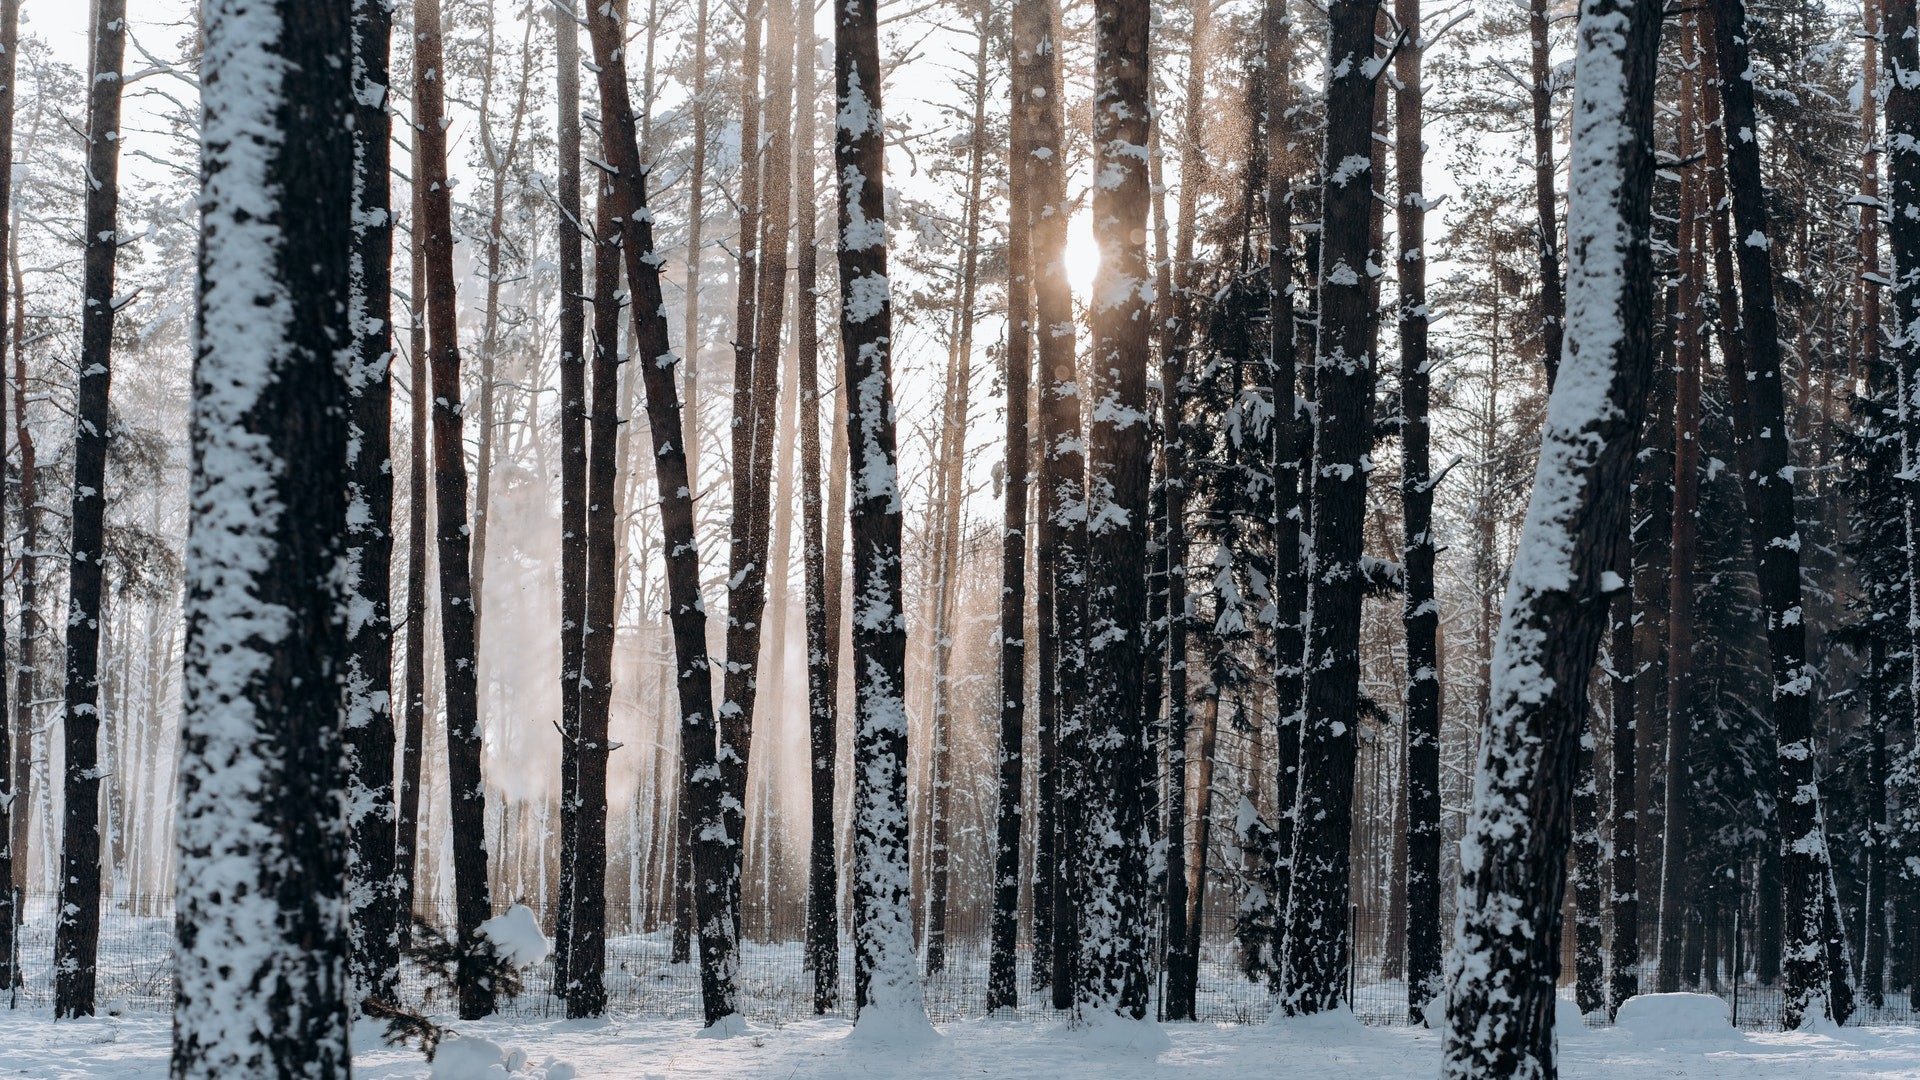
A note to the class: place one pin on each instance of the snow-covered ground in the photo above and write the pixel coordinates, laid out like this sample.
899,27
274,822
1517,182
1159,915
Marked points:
135,1047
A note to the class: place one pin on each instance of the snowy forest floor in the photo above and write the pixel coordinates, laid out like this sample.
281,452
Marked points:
135,1047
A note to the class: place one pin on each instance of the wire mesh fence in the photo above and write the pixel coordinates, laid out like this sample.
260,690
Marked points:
135,971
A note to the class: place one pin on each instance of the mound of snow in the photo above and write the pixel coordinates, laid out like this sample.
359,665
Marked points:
516,936
726,1027
1332,1025
1567,1019
891,1028
1664,1018
1106,1030
463,1057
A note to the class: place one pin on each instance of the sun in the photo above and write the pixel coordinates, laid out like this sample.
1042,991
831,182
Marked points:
1082,255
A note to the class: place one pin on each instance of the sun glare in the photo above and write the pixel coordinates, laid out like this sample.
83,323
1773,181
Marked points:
1083,254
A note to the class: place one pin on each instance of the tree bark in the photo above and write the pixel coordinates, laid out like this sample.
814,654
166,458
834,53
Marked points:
11,805
1760,410
1003,990
1314,966
1501,977
700,776
1553,304
77,929
887,994
1420,611
261,950
369,554
413,755
473,902
573,466
1624,891
1113,947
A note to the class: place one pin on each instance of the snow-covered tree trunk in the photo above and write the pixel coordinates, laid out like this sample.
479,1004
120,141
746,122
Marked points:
369,554
702,798
11,807
1061,547
1760,410
262,942
1501,974
822,607
568,227
1314,964
1003,990
77,929
887,990
1114,915
473,902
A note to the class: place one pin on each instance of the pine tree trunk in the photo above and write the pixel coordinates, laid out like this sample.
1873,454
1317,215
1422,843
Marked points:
587,919
11,806
413,755
1003,990
369,555
1292,433
1062,539
822,607
1623,892
1420,790
1501,976
77,930
702,812
32,626
1113,947
263,835
473,902
1761,413
887,994
1676,873
1553,304
1314,972
1866,370
573,469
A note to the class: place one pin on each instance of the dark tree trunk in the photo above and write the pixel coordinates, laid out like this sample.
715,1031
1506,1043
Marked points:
1882,595
1003,990
1623,893
886,984
587,991
1061,549
1113,948
407,834
702,802
1420,611
32,625
373,919
822,606
1553,304
1506,959
10,804
473,903
1589,946
573,468
1314,965
1291,434
263,825
1761,414
77,930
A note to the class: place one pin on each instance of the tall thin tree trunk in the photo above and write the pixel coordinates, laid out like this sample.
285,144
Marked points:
822,603
1314,971
1003,991
696,219
702,813
573,465
1761,413
472,897
413,755
11,806
1420,791
1500,980
264,834
1867,370
1553,304
1113,974
369,553
77,930
887,994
